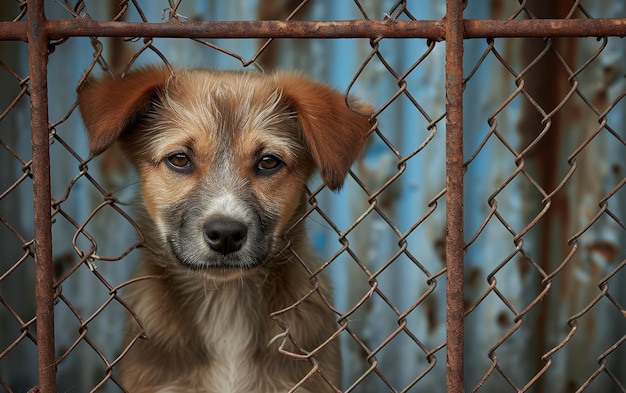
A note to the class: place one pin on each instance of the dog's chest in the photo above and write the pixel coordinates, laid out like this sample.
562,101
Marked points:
232,332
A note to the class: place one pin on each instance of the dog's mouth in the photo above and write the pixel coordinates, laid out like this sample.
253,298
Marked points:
210,261
202,258
218,268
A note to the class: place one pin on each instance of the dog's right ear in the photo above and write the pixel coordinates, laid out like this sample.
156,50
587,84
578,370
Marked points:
334,133
110,106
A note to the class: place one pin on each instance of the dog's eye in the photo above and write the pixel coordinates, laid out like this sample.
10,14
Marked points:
179,161
269,164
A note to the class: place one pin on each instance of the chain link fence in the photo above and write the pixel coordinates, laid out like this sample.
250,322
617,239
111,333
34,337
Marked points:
479,244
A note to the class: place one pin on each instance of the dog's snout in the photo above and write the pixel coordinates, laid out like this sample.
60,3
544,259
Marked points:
224,235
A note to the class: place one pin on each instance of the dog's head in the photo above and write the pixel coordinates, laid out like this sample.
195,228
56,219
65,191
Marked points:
223,156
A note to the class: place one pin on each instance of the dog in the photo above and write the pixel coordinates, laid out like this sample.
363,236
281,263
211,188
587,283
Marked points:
223,158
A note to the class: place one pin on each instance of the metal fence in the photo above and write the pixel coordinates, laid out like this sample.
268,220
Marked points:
515,285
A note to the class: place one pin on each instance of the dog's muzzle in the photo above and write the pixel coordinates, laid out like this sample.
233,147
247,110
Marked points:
218,236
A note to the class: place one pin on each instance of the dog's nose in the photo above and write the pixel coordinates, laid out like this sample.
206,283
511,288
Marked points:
225,236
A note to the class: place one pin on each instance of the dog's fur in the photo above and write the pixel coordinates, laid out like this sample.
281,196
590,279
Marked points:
223,159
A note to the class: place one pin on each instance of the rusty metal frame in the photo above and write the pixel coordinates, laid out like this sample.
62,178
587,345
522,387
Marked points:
429,29
455,244
38,32
44,270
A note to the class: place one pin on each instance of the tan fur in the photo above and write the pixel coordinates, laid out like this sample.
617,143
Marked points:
207,317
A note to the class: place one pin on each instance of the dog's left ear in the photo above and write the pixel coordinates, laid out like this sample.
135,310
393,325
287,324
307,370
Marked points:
110,106
334,133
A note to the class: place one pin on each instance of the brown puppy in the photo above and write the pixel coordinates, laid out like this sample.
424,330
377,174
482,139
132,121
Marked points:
223,159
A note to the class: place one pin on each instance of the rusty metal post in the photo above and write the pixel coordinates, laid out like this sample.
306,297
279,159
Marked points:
454,196
44,280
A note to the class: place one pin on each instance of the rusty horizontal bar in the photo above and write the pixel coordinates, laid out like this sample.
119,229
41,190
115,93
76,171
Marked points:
251,29
429,29
14,31
485,28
